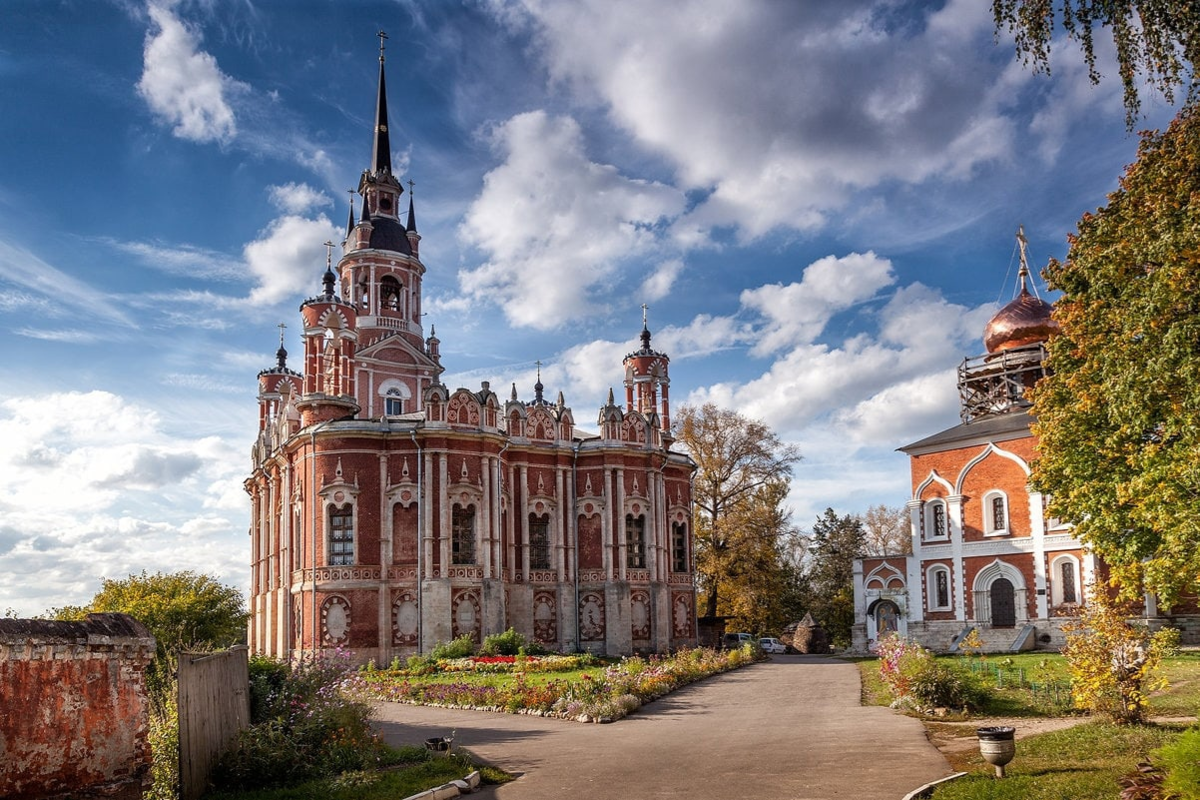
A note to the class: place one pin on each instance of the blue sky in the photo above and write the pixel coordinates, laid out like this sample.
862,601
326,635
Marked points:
817,201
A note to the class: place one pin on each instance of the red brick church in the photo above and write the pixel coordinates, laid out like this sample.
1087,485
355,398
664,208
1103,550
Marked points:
985,554
391,513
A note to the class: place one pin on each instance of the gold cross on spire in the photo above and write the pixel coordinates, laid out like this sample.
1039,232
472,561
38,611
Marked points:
382,38
329,255
281,327
644,307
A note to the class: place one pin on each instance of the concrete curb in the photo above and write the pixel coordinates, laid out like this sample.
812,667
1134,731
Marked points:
450,790
928,788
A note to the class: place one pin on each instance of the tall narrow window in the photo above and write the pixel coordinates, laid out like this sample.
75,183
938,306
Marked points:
1067,571
679,547
943,588
635,541
462,534
341,535
539,541
999,517
935,520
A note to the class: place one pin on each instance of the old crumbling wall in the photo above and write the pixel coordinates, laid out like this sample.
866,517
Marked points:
73,708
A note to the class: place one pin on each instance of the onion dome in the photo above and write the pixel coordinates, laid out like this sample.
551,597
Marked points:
1026,320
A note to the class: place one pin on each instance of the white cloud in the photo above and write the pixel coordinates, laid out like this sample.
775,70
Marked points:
72,297
182,84
297,198
798,312
554,224
659,283
85,501
183,260
782,112
288,257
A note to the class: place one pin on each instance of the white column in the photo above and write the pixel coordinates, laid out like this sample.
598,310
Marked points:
560,561
523,503
1037,531
954,516
622,534
916,594
444,509
606,526
484,534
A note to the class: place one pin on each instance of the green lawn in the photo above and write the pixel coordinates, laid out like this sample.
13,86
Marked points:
1083,762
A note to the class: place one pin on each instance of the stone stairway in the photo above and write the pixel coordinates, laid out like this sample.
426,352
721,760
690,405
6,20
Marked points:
999,640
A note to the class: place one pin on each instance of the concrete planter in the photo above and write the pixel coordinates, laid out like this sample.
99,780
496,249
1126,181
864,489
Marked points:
997,746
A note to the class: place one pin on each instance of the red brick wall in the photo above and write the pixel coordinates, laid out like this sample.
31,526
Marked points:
73,707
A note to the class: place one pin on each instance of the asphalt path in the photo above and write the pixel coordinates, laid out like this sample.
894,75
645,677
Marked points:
791,727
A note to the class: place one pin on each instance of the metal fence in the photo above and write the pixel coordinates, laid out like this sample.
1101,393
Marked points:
214,704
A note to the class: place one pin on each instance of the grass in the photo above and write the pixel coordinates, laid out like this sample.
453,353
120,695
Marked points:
418,772
1081,763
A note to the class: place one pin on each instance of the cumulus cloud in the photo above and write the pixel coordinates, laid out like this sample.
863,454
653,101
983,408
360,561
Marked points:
288,257
554,224
781,112
297,198
84,501
182,84
658,284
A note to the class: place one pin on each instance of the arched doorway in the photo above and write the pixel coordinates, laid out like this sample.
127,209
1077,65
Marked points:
1004,608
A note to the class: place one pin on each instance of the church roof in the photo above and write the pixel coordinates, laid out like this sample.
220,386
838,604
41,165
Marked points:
389,234
1000,427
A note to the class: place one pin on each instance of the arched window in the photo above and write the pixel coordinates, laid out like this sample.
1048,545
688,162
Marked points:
393,403
679,547
635,541
935,520
937,588
539,541
1064,581
995,514
391,294
341,535
462,534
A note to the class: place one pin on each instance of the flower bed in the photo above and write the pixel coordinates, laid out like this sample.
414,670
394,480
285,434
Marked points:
602,696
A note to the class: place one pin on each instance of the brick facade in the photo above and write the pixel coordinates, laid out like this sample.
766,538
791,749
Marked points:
391,514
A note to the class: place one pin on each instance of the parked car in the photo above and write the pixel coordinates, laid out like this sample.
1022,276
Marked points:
732,641
770,644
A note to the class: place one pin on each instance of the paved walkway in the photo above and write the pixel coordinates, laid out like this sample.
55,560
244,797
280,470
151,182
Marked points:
788,728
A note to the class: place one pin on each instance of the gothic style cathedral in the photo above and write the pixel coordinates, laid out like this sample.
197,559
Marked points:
391,514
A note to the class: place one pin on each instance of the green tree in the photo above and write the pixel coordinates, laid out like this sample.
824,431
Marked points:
181,609
1158,40
836,542
737,459
1118,418
759,588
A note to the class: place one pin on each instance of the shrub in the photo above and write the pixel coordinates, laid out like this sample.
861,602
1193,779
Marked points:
163,737
461,647
1113,661
304,725
509,643
918,680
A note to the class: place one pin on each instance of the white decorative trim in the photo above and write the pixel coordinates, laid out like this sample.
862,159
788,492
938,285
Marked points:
987,451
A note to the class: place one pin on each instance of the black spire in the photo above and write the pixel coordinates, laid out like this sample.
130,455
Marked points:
350,218
412,214
645,331
538,400
382,158
329,279
281,353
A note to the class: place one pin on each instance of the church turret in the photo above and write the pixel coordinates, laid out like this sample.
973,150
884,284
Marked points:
647,380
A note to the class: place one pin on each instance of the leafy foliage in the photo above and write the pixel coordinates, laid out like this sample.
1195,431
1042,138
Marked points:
1158,39
836,542
1113,661
743,536
509,643
461,647
921,682
304,724
886,531
1117,416
1180,762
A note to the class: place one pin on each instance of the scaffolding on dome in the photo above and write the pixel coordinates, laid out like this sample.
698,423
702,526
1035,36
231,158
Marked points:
996,383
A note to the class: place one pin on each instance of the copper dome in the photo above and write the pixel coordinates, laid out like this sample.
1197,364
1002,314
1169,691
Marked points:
1025,320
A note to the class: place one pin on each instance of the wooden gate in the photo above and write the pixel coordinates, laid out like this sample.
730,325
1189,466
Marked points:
214,704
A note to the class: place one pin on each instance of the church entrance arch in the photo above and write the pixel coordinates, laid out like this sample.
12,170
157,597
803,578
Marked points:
1003,602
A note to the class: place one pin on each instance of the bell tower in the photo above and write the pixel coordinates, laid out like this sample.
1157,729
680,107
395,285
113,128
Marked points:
647,381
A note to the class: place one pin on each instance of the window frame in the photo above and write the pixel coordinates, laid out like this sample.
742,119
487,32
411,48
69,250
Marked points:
342,549
930,518
635,541
989,513
539,546
462,541
931,588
